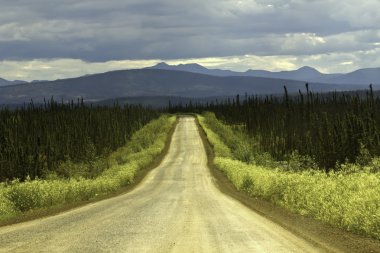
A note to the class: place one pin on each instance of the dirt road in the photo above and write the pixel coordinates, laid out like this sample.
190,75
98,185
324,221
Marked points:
176,208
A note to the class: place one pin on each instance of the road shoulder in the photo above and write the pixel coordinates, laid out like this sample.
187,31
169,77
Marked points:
46,212
330,238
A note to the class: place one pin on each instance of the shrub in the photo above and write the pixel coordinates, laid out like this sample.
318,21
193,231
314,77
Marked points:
347,200
16,196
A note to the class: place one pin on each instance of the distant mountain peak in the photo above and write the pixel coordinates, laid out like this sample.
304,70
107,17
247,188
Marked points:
368,70
160,65
179,66
191,67
308,69
5,82
191,64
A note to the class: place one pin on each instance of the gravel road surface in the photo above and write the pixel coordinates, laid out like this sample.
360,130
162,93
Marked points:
176,208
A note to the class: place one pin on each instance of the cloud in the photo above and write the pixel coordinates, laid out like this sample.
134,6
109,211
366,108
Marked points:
52,69
98,31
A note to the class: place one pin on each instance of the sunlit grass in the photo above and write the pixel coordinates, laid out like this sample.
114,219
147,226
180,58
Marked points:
347,200
146,144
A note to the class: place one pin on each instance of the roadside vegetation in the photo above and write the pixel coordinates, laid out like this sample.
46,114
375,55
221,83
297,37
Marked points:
64,139
322,131
141,135
314,154
348,198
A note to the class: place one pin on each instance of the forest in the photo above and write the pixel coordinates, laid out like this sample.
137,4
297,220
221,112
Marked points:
319,131
65,139
314,154
322,131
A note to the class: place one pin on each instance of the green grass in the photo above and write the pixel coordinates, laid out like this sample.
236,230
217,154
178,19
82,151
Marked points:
347,200
146,144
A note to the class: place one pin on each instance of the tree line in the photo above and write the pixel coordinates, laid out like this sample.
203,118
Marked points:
36,139
331,129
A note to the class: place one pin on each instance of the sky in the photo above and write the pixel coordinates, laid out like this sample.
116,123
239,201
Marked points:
48,40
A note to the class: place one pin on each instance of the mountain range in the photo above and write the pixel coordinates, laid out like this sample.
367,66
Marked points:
155,82
307,74
4,82
189,80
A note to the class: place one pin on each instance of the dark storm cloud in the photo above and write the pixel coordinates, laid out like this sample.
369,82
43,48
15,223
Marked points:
95,30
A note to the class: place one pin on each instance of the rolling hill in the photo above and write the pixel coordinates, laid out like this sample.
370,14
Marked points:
360,76
153,82
306,74
4,82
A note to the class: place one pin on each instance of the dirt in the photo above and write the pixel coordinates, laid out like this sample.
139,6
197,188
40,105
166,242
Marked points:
54,210
316,232
180,206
